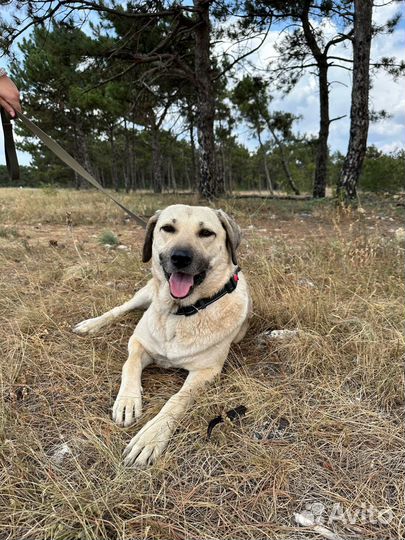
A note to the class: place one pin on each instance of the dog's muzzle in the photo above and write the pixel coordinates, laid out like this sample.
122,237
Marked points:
184,271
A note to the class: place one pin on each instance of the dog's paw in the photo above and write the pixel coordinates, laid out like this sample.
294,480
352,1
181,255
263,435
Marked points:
149,443
126,410
89,326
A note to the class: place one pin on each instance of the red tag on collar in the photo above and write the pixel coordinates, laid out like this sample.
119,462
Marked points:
235,277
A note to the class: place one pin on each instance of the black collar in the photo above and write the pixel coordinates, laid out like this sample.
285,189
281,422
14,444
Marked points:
229,287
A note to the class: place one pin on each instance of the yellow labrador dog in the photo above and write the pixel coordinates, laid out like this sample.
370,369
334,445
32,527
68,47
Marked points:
197,303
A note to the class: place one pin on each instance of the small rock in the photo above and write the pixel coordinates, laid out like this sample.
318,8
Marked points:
305,282
61,452
308,519
122,247
400,234
305,519
272,335
283,334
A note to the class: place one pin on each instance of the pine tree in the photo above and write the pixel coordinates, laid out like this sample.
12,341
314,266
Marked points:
251,97
359,113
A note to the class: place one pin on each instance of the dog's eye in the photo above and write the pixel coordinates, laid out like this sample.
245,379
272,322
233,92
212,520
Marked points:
168,228
205,233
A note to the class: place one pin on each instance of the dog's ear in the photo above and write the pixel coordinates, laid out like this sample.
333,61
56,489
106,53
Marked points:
233,234
147,245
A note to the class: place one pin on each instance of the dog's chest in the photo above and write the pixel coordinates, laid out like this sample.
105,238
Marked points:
181,342
177,338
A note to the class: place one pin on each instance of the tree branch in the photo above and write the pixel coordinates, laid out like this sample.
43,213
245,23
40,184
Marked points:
337,118
339,39
228,68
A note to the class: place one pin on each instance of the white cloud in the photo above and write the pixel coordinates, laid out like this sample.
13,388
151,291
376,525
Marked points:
385,93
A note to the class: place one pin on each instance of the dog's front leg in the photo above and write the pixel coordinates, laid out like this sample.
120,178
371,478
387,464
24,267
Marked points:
128,404
141,300
153,438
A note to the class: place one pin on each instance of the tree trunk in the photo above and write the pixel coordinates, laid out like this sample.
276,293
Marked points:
127,170
134,180
321,167
286,168
266,170
78,181
194,161
208,183
114,175
188,180
283,158
230,176
171,179
223,167
266,165
157,180
78,178
359,113
322,63
81,153
132,158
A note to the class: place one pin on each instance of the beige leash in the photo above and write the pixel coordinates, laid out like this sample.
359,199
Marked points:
73,164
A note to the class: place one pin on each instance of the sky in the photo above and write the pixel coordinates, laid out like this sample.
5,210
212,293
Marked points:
387,135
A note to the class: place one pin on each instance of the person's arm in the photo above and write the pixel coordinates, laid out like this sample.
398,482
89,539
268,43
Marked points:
9,94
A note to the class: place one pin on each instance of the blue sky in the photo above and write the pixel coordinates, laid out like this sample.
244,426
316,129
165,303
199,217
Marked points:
388,134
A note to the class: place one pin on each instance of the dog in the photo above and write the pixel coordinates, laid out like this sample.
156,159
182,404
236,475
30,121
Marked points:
197,303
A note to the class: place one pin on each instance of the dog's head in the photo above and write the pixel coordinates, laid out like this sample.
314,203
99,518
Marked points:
191,247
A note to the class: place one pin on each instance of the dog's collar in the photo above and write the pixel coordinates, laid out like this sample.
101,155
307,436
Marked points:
229,287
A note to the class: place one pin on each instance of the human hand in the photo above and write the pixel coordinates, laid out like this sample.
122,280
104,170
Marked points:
9,96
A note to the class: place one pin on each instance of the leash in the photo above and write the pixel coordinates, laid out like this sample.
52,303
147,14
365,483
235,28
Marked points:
56,148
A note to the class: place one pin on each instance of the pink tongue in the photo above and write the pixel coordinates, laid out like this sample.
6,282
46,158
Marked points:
180,284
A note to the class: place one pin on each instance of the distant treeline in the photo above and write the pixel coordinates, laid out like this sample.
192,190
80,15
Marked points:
241,170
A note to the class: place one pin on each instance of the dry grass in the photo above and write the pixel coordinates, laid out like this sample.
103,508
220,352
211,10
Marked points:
336,388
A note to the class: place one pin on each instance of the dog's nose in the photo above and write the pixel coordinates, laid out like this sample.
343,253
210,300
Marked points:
181,258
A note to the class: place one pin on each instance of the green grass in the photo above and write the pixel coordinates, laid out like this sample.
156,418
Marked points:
108,238
8,232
